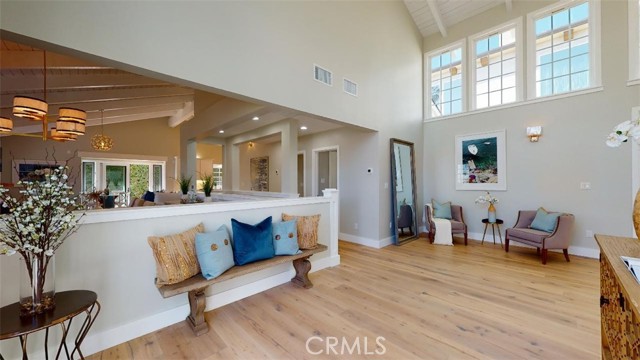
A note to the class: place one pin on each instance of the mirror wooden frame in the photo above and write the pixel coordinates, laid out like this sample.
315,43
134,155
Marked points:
398,170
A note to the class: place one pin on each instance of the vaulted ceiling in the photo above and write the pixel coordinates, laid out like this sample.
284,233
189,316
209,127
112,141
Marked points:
433,16
123,96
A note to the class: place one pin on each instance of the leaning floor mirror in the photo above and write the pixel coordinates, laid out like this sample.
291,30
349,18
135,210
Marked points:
403,192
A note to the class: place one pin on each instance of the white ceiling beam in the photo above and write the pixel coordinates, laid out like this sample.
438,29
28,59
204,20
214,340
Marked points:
86,96
16,82
435,12
509,5
182,115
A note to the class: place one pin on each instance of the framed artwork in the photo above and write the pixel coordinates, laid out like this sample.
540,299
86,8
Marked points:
259,172
481,162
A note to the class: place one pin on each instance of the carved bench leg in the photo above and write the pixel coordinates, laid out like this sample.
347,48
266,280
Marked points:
196,317
302,267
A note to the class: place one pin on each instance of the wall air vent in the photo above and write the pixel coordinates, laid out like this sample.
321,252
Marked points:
349,87
323,75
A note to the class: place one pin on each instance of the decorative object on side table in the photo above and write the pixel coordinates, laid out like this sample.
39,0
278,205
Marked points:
491,211
37,224
621,133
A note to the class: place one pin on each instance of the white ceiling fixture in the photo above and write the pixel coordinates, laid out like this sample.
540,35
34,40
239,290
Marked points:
255,118
303,128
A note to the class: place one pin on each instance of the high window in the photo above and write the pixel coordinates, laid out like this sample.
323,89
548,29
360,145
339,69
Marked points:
566,43
495,55
445,95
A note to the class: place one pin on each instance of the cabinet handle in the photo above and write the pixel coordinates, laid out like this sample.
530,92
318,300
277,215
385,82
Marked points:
603,301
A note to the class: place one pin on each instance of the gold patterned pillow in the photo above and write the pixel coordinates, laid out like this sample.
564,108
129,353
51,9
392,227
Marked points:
307,230
175,256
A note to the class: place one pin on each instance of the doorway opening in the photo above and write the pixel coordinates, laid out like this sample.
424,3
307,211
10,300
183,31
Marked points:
325,169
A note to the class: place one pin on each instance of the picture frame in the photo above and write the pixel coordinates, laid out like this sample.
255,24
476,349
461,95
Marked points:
481,162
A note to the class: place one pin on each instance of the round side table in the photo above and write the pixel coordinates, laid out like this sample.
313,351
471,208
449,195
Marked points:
69,304
495,224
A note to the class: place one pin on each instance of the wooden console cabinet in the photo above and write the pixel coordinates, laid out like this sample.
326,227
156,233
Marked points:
619,299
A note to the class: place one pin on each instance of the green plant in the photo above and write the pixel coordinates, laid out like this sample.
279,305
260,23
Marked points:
184,183
207,184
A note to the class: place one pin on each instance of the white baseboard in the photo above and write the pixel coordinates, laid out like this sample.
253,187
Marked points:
96,342
378,244
573,250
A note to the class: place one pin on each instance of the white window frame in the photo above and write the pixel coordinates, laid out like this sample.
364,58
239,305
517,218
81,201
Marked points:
634,42
517,23
427,77
595,69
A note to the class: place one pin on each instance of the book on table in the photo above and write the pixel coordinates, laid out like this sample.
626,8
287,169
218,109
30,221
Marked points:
633,264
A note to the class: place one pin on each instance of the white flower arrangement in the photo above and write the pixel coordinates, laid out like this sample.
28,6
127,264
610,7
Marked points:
41,219
487,199
623,131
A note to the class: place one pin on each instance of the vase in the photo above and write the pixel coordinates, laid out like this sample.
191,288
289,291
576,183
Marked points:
491,213
37,285
636,214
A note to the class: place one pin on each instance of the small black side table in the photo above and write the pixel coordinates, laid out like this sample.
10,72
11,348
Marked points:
69,304
493,229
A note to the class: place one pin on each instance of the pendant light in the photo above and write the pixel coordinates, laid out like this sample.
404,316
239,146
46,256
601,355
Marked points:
101,142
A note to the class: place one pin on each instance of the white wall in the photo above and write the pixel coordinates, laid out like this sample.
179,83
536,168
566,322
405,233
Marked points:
263,51
273,151
571,150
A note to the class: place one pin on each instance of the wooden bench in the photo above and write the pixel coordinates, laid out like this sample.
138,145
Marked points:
197,284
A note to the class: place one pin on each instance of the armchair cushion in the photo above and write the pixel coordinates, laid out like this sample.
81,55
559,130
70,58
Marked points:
442,211
545,221
528,234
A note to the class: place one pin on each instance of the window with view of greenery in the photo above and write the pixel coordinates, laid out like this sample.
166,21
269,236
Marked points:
562,50
88,176
116,177
446,82
157,178
139,179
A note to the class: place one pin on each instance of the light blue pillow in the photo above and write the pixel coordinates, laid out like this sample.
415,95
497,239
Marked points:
252,242
545,221
285,237
214,253
442,211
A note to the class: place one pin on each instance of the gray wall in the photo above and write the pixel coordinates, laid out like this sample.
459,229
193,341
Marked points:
264,51
571,150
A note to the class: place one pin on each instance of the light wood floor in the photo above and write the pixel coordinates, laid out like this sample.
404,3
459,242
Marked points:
427,301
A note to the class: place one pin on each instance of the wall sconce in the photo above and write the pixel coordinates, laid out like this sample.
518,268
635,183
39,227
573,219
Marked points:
534,133
250,145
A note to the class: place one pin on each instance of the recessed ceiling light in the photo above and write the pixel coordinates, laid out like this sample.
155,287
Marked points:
255,118
221,131
303,128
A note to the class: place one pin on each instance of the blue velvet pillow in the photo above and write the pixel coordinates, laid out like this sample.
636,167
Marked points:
149,196
214,253
442,211
285,237
252,242
545,221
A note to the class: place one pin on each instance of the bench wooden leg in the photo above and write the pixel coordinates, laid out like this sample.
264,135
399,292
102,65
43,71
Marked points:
302,267
196,319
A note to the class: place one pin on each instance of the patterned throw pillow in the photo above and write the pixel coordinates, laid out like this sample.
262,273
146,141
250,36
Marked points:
285,238
214,251
307,230
175,256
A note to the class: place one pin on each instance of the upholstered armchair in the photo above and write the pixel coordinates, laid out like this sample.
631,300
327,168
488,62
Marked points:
405,219
559,238
457,222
